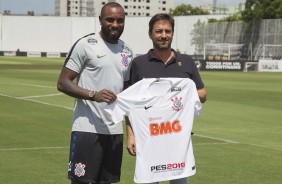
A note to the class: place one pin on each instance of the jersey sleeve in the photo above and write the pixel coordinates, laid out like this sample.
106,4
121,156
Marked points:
198,108
196,101
75,60
116,111
125,101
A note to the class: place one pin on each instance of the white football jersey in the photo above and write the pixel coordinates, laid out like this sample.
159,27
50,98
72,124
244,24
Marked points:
161,112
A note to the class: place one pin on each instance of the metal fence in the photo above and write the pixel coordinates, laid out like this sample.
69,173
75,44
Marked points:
260,39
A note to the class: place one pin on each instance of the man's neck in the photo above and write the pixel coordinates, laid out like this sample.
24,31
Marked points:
163,55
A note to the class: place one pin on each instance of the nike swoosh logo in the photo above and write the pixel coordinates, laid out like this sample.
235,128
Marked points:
147,107
99,56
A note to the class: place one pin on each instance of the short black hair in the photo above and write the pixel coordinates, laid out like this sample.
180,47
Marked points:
112,5
158,17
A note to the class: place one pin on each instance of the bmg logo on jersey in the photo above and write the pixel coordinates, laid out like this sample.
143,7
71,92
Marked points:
167,167
167,127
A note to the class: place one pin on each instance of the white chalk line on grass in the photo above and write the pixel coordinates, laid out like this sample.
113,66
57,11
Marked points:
33,85
64,147
38,96
33,148
27,98
219,139
36,101
210,143
263,147
225,141
45,103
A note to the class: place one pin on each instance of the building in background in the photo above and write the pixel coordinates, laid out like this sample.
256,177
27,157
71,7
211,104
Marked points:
75,8
92,8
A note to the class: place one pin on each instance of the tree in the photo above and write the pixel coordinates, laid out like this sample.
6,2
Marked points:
231,18
184,9
198,37
262,9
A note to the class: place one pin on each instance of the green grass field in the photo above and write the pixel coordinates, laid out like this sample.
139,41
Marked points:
238,136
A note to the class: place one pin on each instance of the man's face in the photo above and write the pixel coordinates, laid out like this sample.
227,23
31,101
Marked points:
162,35
112,23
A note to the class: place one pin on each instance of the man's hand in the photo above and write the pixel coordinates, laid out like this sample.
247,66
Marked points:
131,147
105,95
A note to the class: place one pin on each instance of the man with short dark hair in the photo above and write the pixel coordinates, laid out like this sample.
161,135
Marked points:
163,62
100,65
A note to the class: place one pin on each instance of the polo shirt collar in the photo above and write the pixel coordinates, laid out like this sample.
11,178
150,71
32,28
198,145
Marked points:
151,57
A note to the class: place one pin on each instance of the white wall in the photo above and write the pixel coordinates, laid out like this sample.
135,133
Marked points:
57,34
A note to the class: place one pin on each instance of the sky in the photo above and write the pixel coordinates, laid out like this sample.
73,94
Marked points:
48,6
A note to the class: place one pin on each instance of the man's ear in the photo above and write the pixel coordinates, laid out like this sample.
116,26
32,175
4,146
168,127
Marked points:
150,35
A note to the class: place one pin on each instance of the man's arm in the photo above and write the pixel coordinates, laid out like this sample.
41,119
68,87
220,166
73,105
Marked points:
131,146
66,85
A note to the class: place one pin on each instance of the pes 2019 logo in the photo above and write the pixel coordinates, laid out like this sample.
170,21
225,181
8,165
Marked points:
167,167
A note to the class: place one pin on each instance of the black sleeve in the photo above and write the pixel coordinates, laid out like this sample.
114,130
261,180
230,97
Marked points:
196,76
191,69
133,73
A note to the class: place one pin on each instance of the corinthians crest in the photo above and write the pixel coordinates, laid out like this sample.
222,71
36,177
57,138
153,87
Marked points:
79,169
124,60
177,104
